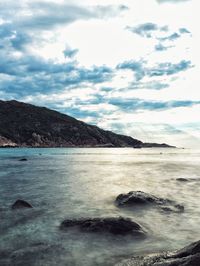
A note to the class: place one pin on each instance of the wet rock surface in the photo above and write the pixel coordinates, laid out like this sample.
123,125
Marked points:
139,198
19,204
188,256
113,225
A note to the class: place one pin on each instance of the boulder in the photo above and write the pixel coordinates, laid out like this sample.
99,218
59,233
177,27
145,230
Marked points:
19,204
139,198
188,256
113,225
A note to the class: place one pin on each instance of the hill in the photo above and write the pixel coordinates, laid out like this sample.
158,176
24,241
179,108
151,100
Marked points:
26,125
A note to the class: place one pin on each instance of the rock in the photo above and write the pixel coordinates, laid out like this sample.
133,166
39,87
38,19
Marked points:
138,198
113,225
19,204
188,256
23,160
181,179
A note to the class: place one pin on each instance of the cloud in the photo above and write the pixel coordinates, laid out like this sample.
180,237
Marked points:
172,37
184,30
146,29
141,70
171,1
160,47
70,52
40,15
136,66
150,85
31,74
138,104
169,68
152,30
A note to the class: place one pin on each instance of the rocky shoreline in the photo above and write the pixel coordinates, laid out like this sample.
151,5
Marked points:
122,226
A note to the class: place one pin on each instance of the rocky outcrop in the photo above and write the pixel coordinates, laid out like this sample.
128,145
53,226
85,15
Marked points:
188,256
139,198
19,204
4,142
113,225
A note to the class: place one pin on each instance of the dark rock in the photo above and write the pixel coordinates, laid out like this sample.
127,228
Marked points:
23,160
138,198
19,204
188,256
181,179
113,225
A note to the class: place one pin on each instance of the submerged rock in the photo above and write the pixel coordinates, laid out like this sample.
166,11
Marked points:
19,204
188,256
182,179
137,198
113,225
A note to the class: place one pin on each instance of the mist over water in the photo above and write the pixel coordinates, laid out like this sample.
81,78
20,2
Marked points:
72,183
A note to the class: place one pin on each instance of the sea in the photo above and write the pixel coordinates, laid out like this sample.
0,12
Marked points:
68,183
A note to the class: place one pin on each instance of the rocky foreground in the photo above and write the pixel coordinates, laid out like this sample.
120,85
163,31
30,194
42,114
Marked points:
26,125
188,256
122,226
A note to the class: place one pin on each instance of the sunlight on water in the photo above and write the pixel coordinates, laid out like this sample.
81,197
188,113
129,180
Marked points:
68,183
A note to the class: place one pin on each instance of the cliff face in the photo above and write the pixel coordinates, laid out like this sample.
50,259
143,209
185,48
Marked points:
27,125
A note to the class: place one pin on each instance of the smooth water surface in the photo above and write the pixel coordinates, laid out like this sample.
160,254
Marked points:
70,183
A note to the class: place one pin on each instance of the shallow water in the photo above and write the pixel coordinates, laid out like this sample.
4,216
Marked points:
67,183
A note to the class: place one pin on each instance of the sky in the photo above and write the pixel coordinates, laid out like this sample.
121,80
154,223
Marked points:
130,66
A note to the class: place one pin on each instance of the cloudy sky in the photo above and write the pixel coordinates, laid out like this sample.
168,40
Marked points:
131,66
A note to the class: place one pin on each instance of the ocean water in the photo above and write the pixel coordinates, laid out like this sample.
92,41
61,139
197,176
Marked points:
71,183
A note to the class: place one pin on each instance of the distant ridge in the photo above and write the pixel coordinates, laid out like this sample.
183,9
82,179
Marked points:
26,125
